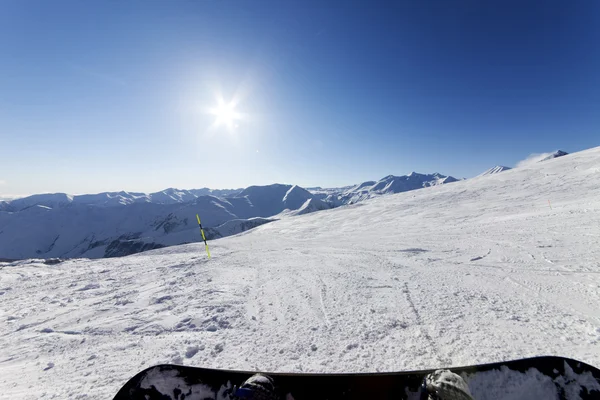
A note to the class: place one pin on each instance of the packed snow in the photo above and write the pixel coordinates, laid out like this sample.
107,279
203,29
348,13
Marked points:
487,269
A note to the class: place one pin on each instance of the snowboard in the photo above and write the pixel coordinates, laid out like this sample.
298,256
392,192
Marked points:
529,378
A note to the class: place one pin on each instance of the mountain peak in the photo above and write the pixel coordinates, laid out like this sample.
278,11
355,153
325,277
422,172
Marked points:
556,154
494,170
295,197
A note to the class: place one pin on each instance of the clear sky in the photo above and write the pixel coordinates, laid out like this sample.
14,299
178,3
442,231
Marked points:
121,95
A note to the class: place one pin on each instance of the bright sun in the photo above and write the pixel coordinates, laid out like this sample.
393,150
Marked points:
225,115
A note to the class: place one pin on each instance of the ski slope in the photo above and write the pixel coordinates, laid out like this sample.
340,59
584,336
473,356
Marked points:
487,269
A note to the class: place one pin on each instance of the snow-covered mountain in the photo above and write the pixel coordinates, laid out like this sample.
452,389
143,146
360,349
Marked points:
116,224
495,170
108,199
531,160
310,205
388,185
172,195
120,223
535,158
52,200
478,271
556,154
321,193
273,199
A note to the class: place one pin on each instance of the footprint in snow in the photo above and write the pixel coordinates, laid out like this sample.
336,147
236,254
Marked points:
161,299
218,348
192,350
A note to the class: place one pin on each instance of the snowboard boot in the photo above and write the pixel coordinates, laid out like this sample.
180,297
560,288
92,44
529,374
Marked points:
444,385
257,387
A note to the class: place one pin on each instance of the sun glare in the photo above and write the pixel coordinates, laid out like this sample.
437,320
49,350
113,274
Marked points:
225,115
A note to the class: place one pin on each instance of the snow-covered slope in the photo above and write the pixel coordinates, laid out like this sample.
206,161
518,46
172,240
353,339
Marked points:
235,226
478,271
89,231
495,170
273,199
310,205
215,192
388,185
322,193
557,153
540,157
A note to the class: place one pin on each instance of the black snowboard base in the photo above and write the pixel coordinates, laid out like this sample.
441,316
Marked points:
529,378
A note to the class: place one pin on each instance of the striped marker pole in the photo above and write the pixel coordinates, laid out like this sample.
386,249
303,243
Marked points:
203,237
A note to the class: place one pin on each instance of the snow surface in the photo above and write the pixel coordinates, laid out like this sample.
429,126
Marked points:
539,157
235,226
481,270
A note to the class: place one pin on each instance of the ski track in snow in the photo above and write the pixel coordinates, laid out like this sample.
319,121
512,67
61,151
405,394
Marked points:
472,272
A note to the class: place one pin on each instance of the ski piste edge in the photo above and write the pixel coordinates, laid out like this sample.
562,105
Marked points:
169,381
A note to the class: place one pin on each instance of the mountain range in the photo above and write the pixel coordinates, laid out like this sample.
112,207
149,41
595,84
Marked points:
105,199
113,224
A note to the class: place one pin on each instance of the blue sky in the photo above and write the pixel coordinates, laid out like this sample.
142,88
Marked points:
115,95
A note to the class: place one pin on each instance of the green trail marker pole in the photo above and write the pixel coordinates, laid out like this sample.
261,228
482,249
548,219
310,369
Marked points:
203,237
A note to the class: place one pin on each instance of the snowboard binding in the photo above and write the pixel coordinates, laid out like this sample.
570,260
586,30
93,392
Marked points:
257,387
444,385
